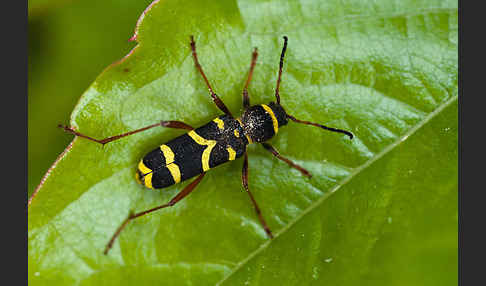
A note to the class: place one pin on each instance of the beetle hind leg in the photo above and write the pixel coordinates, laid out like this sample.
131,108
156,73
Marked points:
182,194
169,124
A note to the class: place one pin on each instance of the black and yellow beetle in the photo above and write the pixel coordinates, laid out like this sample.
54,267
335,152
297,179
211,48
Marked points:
222,140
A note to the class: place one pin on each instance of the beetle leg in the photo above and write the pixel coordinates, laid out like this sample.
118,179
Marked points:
182,194
244,179
170,124
290,163
219,103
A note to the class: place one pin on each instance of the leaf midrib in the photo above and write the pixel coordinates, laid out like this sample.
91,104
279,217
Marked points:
343,182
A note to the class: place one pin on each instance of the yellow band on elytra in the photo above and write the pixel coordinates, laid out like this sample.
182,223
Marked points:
175,172
168,154
169,163
272,115
147,174
207,152
219,122
231,153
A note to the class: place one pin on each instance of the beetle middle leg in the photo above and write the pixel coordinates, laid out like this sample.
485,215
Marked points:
244,179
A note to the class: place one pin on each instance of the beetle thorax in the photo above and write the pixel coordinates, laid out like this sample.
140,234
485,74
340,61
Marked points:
261,122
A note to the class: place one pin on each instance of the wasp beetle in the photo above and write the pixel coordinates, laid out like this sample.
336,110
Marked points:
221,140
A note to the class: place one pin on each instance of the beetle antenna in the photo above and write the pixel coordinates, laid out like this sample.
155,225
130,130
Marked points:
277,95
321,126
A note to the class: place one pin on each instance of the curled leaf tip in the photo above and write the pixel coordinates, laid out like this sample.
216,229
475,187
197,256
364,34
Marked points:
140,20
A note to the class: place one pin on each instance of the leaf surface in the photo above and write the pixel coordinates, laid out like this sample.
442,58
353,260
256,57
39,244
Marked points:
387,71
66,53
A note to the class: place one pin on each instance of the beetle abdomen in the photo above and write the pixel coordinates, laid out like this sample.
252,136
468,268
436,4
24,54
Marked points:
193,153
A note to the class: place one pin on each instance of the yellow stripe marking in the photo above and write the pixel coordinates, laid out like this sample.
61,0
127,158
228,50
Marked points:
231,152
168,154
237,134
247,137
219,122
147,172
169,163
137,177
274,119
175,172
207,152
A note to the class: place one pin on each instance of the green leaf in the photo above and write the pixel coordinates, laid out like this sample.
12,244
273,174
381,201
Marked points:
38,7
66,53
399,228
379,209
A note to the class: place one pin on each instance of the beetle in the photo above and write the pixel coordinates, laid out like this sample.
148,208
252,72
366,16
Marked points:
223,139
